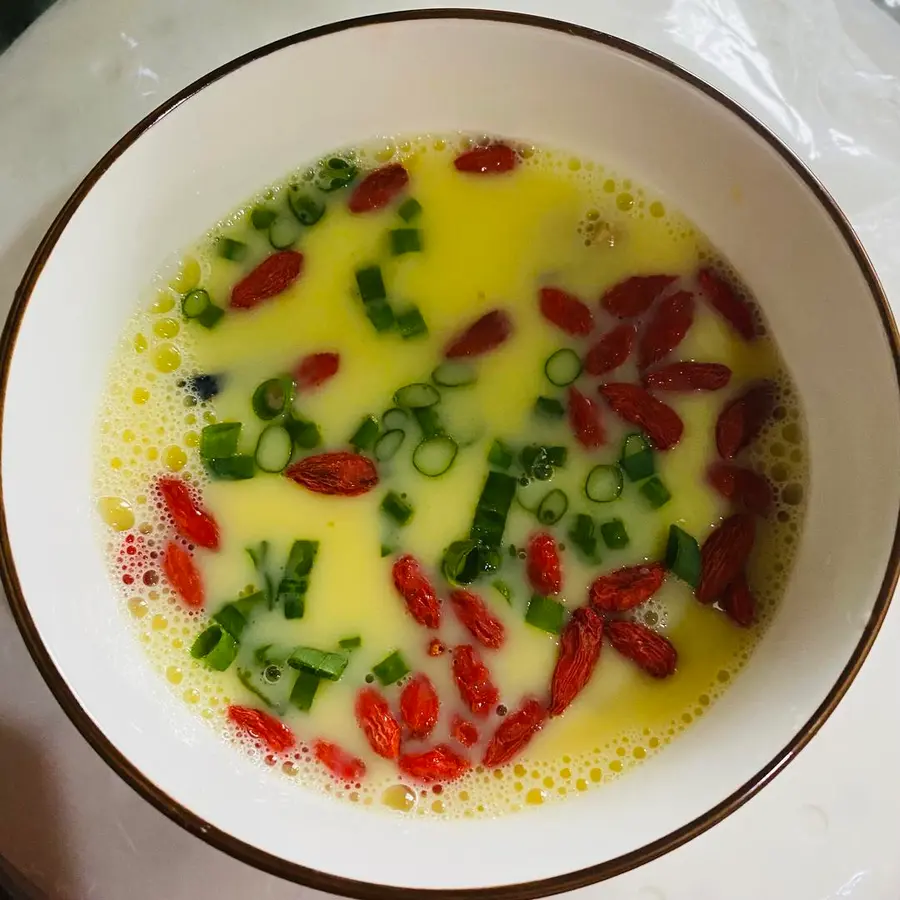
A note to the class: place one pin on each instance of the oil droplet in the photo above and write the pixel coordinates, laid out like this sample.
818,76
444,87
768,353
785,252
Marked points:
140,343
152,453
128,435
174,674
565,773
519,770
653,742
687,718
137,607
174,458
163,303
723,676
616,765
166,328
574,164
439,144
192,439
159,623
116,512
166,358
290,768
535,797
548,782
639,752
140,396
596,775
704,699
609,186
791,433
399,796
188,276
518,786
657,210
625,201
581,785
192,696
780,472
115,463
792,493
438,806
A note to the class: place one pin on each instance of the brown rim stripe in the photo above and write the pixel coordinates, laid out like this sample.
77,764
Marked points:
311,877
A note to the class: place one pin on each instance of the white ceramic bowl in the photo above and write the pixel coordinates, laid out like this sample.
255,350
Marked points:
248,123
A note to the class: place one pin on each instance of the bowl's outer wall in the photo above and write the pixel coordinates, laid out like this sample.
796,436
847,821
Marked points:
561,86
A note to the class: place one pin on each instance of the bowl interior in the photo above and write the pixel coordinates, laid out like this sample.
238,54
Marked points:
559,87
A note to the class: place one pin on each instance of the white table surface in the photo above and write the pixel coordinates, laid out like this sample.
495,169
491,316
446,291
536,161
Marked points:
822,73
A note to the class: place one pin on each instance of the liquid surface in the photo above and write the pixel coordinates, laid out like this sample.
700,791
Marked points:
488,242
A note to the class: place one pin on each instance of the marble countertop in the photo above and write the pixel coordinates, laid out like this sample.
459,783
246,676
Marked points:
823,74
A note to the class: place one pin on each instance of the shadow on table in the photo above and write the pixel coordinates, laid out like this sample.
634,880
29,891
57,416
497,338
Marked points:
16,16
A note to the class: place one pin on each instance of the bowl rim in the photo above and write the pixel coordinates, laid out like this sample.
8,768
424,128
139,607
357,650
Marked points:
305,875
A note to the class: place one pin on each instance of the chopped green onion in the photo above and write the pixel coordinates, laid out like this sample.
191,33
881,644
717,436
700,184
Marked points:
284,233
234,616
549,408
454,373
370,284
557,456
215,647
462,562
656,492
249,680
229,248
194,302
394,419
603,484
405,240
350,643
259,556
274,448
272,397
503,589
562,367
500,456
261,218
366,434
614,534
546,614
388,444
553,507
233,468
539,462
683,556
435,455
322,663
211,316
529,494
304,434
386,550
410,323
492,510
219,441
582,535
428,421
334,173
637,458
396,508
307,208
391,669
417,396
304,691
380,314
295,580
409,209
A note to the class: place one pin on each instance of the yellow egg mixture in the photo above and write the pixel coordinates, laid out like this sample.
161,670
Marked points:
488,242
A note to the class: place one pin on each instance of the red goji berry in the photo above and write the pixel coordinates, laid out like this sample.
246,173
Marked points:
743,487
440,764
666,329
183,575
192,522
274,275
543,566
374,717
634,296
490,160
514,733
723,556
688,376
473,679
566,312
477,619
378,188
579,650
738,602
741,421
414,587
628,587
316,369
725,300
611,351
634,404
339,473
585,421
259,725
484,335
338,761
650,651
462,731
419,706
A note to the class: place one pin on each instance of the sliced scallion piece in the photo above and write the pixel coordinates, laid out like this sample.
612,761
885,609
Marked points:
683,556
405,240
366,434
503,589
394,419
219,441
284,233
553,507
234,616
274,448
417,396
529,494
229,248
435,455
304,691
307,208
492,510
410,323
211,316
388,444
428,421
387,550
215,647
295,580
272,397
370,284
334,173
462,563
614,534
556,455
603,484
582,535
656,492
562,367
391,669
395,507
637,459
380,314
546,614
304,434
261,218
233,468
325,664
500,456
549,408
194,302
453,373
350,643
409,209
259,556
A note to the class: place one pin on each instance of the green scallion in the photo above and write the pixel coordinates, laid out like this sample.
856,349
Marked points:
405,240
391,669
219,441
410,323
417,396
549,408
211,316
366,434
492,510
304,434
562,367
272,397
614,534
453,373
435,455
409,209
603,484
261,218
683,556
462,562
229,248
334,173
394,419
656,492
304,691
388,444
500,456
429,421
325,664
215,647
546,614
232,468
370,284
350,643
274,449
582,533
235,616
553,507
637,460
396,508
295,579
284,232
194,302
380,314
503,589
306,207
